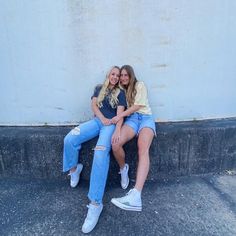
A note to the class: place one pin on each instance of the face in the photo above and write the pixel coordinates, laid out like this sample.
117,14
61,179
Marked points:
124,78
114,76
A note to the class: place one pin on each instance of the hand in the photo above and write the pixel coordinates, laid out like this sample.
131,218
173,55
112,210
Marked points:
106,121
115,137
115,119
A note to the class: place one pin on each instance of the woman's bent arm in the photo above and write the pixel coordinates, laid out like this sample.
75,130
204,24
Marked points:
123,114
116,135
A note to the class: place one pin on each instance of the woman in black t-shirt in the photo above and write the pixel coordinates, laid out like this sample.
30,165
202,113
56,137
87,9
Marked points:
108,100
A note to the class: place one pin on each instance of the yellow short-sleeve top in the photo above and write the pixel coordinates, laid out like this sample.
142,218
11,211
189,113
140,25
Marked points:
141,98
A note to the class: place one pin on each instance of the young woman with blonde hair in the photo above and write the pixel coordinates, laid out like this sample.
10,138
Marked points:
139,121
108,101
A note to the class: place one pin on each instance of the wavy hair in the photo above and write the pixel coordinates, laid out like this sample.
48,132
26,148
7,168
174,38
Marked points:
131,87
105,91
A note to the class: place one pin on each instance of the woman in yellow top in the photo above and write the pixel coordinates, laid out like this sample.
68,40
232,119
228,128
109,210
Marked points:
139,121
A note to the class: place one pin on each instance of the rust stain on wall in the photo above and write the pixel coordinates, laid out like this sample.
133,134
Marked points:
158,86
165,18
160,105
59,108
164,40
159,65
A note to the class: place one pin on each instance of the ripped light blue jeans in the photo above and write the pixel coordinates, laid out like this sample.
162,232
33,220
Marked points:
101,158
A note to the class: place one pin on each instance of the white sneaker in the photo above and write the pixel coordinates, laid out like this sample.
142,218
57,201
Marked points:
75,176
131,202
124,176
92,217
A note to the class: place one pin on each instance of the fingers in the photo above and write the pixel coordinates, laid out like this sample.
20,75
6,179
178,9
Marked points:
115,139
106,122
114,120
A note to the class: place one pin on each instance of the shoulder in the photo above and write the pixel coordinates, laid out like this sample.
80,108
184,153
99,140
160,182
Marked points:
98,86
122,92
139,85
96,91
122,98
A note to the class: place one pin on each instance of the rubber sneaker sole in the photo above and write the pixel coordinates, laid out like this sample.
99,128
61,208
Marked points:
125,206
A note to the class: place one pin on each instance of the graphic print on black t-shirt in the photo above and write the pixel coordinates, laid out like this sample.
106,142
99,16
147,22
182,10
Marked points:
106,108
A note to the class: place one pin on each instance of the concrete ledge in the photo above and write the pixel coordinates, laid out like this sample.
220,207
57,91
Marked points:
180,148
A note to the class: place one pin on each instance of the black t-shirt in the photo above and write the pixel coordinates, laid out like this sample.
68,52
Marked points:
106,108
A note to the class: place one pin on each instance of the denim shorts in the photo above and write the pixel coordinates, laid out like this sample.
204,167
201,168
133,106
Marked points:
137,121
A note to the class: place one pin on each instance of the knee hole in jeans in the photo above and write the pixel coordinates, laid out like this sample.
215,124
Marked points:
100,148
75,131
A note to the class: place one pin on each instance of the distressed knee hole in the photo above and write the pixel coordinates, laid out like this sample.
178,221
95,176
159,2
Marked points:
100,148
76,131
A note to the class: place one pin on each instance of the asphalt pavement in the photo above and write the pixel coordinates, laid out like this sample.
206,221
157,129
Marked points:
195,205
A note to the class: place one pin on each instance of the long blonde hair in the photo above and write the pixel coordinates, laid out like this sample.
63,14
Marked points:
113,94
130,88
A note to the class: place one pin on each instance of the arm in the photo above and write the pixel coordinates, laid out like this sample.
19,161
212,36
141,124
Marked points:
139,102
123,114
98,113
116,134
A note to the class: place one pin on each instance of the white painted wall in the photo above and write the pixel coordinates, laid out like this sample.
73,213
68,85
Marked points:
53,53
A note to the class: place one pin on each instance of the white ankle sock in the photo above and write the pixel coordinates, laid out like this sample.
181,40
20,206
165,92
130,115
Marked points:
121,169
137,192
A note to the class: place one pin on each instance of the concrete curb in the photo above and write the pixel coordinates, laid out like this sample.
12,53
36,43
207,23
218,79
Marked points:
180,148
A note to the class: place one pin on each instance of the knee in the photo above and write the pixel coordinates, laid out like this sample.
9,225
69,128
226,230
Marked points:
72,135
100,148
67,139
116,147
143,152
101,153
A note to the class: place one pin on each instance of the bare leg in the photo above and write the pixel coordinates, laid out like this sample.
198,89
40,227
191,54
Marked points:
126,134
145,138
72,170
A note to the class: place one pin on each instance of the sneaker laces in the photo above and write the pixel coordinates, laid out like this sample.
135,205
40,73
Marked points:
130,191
91,211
